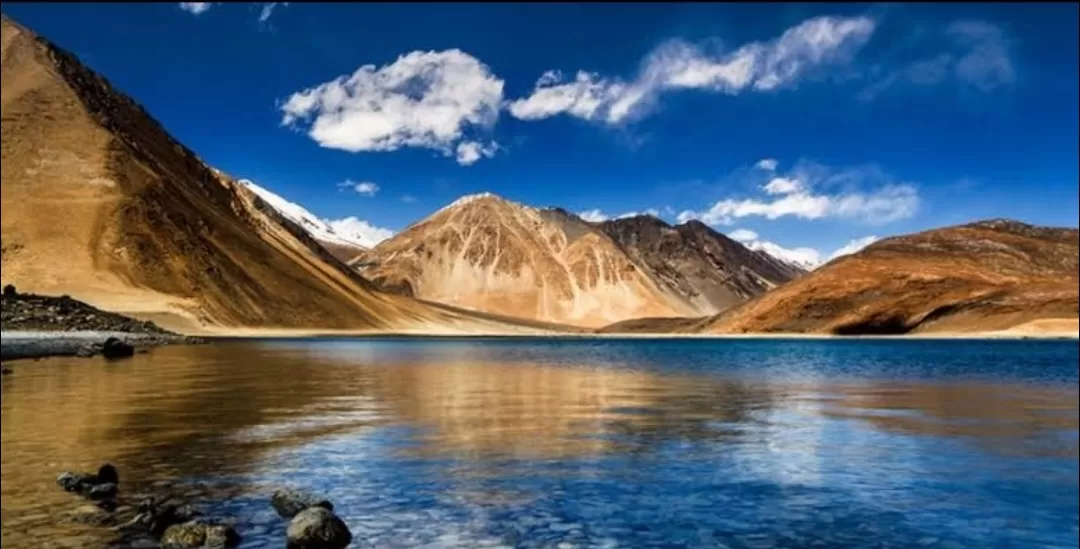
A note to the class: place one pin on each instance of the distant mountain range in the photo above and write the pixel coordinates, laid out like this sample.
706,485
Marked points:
487,253
101,203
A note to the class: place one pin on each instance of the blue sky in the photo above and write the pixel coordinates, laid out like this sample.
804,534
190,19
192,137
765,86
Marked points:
803,125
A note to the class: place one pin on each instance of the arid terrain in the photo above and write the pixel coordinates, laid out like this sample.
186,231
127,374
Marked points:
982,277
100,203
487,253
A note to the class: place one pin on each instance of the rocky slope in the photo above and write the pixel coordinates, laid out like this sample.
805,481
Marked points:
102,204
342,245
486,253
32,312
706,268
984,276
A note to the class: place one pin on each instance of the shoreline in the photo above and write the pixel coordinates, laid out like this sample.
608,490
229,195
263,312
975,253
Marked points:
30,344
34,344
305,334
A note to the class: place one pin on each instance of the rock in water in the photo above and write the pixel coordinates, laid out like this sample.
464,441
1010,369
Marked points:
69,481
317,528
199,534
288,502
108,474
104,491
115,348
157,518
103,485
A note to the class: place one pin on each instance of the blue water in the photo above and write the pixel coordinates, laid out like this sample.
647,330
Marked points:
615,443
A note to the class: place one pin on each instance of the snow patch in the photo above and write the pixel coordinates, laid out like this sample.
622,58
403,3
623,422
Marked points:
803,258
349,231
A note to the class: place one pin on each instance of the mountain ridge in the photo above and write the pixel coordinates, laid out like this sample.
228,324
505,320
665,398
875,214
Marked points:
102,203
984,275
485,252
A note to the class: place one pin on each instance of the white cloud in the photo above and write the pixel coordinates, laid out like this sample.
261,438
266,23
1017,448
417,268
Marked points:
816,192
432,100
468,152
408,198
268,10
195,8
782,185
853,246
366,188
767,164
977,56
359,231
756,66
595,215
743,235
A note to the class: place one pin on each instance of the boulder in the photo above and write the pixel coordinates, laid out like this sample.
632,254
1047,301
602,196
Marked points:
70,481
157,517
103,491
199,534
289,502
317,528
115,348
101,486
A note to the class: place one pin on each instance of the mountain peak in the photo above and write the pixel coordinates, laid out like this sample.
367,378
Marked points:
480,198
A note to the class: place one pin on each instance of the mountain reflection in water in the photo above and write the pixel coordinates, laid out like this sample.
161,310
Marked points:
584,443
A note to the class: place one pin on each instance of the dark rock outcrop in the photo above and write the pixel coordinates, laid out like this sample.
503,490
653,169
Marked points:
50,313
115,348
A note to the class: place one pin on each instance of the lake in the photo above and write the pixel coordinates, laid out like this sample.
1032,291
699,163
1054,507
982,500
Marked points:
573,443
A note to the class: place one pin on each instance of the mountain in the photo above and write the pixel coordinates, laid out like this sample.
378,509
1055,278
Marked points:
792,258
984,276
344,238
485,253
101,203
706,268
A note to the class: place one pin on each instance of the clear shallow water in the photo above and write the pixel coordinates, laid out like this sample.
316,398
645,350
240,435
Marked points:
570,443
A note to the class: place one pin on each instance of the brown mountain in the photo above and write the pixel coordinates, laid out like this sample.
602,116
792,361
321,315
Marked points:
710,270
984,276
489,254
99,202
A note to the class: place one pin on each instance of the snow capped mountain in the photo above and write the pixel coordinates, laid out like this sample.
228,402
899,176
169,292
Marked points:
804,258
349,231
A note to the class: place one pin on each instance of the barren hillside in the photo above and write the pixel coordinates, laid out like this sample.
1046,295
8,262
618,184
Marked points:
486,253
99,202
984,276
